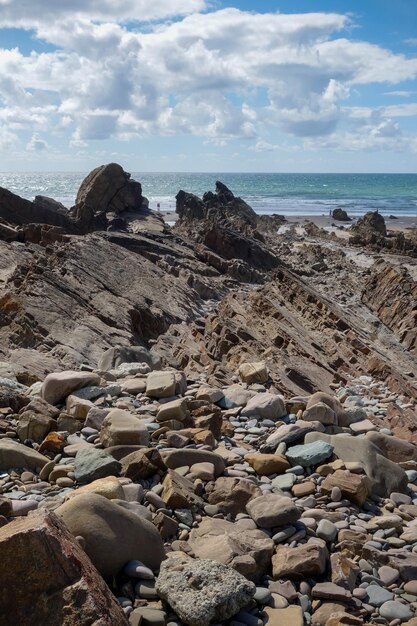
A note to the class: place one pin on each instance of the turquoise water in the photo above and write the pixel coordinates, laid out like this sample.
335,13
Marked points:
288,194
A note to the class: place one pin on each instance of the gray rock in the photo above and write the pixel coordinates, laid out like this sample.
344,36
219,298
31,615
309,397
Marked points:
93,463
395,610
201,592
309,454
326,530
378,595
265,406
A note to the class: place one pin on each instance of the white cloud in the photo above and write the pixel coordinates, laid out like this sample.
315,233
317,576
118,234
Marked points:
264,146
204,74
32,13
8,140
37,144
400,94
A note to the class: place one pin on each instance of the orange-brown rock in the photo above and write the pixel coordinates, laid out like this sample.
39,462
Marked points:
46,578
179,492
304,561
354,487
232,494
265,464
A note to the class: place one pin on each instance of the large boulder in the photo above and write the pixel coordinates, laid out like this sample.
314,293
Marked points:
394,448
141,464
201,592
46,578
248,552
266,406
111,534
384,476
34,426
316,401
56,387
121,428
109,189
340,215
16,455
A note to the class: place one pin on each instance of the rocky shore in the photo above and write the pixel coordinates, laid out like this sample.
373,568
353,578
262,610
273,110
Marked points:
207,424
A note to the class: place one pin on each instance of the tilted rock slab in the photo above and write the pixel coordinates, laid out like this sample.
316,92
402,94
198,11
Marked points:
201,592
46,578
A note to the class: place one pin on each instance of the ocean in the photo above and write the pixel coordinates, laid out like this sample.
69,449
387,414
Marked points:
285,194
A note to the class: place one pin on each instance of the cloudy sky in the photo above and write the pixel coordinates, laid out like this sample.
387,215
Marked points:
209,85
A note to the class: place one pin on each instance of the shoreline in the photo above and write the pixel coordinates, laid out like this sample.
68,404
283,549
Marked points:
401,223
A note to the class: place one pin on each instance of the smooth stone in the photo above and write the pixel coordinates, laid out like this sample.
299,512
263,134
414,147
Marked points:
326,530
395,610
309,454
378,595
262,595
388,575
146,590
137,569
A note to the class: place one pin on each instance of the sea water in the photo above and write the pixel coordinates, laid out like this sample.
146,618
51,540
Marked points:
285,194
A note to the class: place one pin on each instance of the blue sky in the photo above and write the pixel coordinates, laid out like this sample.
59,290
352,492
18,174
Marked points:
209,85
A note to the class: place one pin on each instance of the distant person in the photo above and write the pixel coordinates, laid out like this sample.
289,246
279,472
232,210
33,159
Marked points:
158,206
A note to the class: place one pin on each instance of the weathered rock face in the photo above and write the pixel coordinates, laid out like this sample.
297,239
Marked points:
108,189
50,320
54,582
392,293
185,584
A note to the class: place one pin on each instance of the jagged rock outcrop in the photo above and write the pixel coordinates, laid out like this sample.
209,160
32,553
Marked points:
225,226
372,223
307,342
17,211
190,207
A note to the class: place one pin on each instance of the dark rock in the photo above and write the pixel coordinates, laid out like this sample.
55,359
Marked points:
108,189
340,215
372,222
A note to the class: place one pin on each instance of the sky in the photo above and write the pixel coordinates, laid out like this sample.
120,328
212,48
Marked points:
209,85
